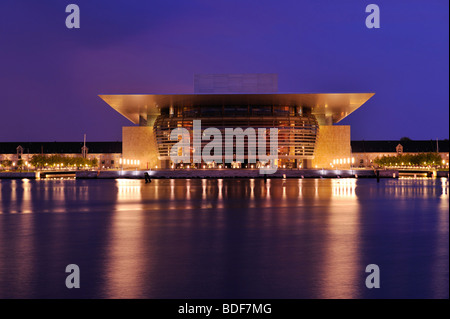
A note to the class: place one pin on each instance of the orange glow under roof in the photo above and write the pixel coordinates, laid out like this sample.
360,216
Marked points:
336,105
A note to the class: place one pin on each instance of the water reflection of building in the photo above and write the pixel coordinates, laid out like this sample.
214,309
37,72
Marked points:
128,189
415,187
444,187
228,189
344,187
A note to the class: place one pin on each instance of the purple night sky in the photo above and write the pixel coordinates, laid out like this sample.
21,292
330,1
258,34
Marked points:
50,76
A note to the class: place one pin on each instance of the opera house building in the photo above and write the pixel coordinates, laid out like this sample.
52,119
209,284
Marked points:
307,134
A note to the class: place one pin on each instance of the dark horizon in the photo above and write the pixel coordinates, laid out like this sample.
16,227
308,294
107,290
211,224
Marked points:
51,76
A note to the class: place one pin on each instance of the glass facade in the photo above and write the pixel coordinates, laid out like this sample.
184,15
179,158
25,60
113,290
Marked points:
297,127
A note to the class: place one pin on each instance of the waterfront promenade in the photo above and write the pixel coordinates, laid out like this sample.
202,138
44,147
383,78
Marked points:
223,173
219,173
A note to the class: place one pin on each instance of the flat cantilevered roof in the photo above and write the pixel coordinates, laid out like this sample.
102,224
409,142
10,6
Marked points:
334,105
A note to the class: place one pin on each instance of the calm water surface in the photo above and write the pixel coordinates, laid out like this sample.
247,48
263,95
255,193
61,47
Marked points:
307,238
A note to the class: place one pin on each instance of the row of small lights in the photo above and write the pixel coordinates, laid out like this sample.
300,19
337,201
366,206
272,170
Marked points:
188,166
204,166
46,164
129,161
62,165
26,164
343,161
424,163
220,166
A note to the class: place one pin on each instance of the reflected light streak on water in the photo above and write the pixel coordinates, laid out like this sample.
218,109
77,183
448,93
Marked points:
341,271
124,268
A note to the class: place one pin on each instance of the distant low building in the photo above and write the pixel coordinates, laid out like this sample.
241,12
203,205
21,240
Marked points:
365,152
108,154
